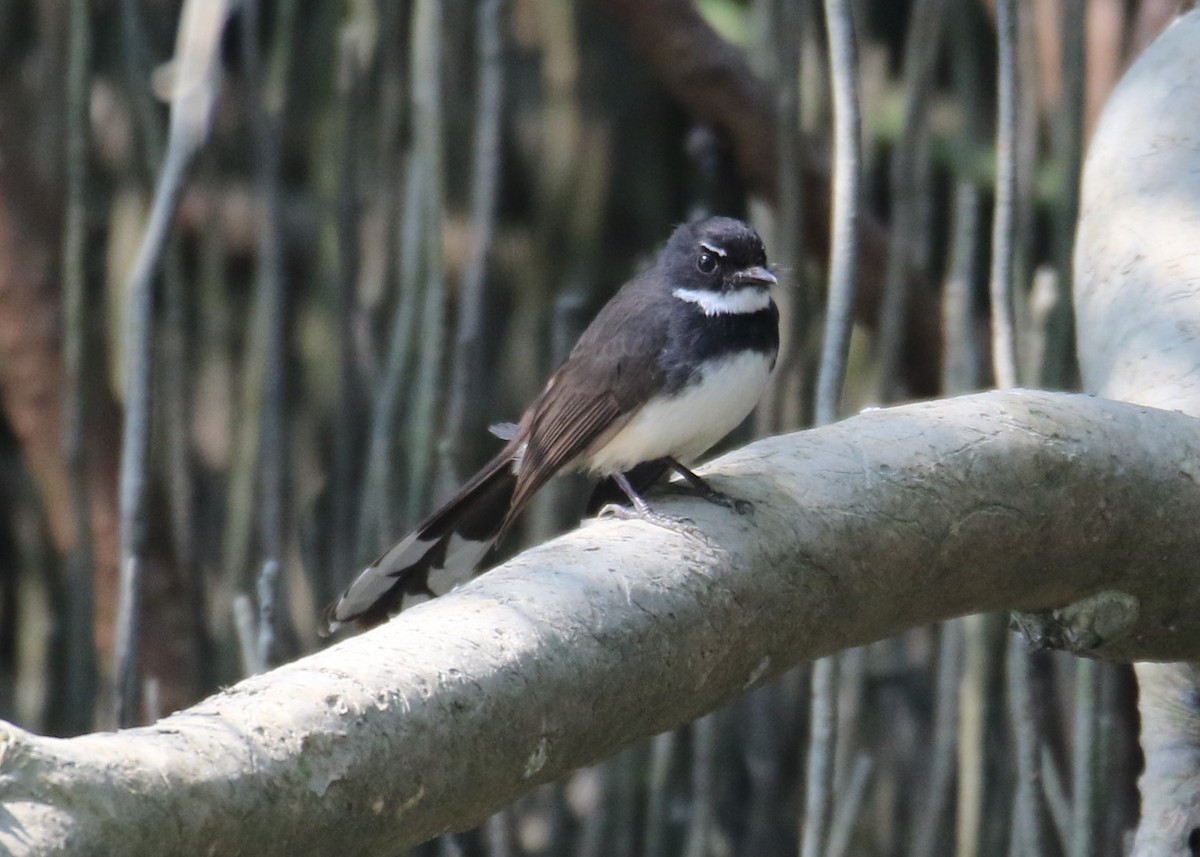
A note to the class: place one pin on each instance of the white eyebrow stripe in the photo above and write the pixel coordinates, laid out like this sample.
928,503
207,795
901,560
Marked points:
713,249
741,302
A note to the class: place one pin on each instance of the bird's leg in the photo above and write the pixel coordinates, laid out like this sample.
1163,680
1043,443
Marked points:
707,492
639,503
642,511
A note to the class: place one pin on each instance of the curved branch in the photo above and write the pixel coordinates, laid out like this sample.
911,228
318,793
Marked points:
621,629
1137,305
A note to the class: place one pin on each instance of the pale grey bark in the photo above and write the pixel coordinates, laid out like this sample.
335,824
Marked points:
1137,304
622,629
1137,249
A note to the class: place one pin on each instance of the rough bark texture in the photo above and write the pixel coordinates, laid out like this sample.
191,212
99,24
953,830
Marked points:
1137,301
621,629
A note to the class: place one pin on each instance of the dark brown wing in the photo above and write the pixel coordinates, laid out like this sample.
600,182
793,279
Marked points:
611,373
559,433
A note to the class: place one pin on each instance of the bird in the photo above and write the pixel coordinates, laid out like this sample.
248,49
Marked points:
676,359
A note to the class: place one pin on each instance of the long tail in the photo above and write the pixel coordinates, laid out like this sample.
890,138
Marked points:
443,550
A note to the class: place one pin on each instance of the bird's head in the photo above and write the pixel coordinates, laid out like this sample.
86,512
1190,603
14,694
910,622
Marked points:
720,264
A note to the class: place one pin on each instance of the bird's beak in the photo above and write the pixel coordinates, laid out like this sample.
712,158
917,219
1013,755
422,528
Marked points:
758,275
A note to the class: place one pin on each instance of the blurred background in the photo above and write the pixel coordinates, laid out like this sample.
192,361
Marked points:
392,221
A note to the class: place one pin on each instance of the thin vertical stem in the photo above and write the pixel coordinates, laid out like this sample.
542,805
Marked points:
975,716
960,374
960,355
80,644
174,388
1014,154
345,421
928,829
384,159
626,801
850,801
255,492
137,65
1059,369
921,48
245,626
485,182
1084,759
197,51
268,582
135,445
843,256
704,746
843,253
419,305
761,733
661,754
852,687
266,164
819,769
1004,355
1028,820
1116,736
1031,306
782,406
174,391
498,834
1058,803
153,695
241,509
377,522
960,359
590,842
269,308
427,118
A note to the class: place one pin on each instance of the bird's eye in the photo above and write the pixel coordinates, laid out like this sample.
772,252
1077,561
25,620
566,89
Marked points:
707,263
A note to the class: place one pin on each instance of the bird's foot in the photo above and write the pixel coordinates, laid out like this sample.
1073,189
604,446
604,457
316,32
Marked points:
644,513
734,504
711,495
704,491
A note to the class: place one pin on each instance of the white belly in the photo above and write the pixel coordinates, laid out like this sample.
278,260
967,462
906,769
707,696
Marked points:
687,425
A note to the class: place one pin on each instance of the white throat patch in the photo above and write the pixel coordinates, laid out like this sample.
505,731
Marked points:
741,302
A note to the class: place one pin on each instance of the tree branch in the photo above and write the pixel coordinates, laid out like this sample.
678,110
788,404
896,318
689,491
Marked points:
621,629
1137,306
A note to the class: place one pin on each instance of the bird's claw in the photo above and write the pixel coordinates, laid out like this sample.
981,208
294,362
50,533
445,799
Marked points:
719,498
669,522
734,504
